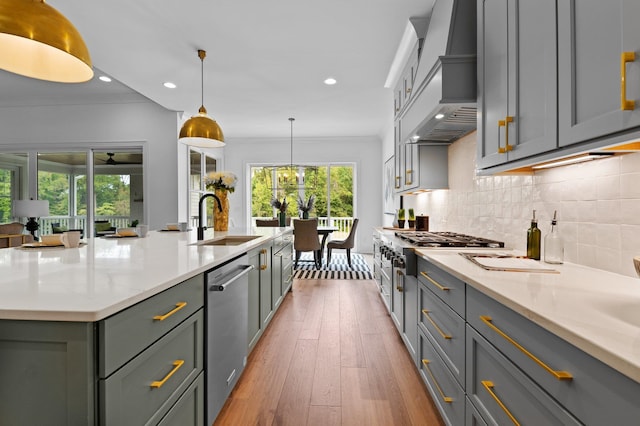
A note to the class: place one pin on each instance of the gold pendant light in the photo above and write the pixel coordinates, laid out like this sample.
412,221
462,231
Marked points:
200,130
37,41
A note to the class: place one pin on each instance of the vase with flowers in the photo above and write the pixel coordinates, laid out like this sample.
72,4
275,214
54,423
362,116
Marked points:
221,184
281,206
305,206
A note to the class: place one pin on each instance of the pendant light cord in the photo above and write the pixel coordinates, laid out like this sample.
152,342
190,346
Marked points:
202,54
291,120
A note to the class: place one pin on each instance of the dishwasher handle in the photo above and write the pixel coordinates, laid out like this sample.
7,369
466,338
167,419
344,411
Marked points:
220,287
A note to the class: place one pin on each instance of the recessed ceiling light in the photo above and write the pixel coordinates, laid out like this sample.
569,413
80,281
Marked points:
105,78
169,85
330,81
439,116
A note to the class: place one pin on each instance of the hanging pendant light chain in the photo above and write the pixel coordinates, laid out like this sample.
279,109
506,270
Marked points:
202,54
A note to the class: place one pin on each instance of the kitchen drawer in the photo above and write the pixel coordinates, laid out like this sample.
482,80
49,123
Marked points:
595,393
280,242
125,334
473,417
504,395
446,392
445,329
190,408
171,364
444,285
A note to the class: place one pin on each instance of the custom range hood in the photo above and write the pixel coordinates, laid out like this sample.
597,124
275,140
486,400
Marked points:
442,104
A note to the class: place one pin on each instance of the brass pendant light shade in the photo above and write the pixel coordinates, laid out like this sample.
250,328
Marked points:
201,130
37,41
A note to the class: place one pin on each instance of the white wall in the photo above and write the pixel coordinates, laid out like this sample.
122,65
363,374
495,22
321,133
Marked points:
364,152
106,125
598,206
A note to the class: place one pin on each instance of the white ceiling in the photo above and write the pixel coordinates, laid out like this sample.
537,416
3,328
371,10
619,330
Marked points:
266,60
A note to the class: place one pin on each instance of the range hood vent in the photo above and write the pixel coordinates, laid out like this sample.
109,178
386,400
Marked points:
442,107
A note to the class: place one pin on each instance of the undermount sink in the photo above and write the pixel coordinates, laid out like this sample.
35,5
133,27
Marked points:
229,240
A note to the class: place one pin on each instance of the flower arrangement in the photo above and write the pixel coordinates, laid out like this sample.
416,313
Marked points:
221,180
306,206
280,205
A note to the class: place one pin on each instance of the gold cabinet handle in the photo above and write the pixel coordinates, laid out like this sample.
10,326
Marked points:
400,285
397,182
176,366
263,266
445,398
560,375
505,123
442,333
625,105
441,287
488,385
408,178
179,306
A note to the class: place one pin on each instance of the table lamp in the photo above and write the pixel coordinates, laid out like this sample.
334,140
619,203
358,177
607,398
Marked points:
32,209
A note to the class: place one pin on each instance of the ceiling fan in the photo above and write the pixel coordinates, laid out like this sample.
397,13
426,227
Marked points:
112,162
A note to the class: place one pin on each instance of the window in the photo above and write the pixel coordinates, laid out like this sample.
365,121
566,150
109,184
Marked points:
12,173
199,166
331,185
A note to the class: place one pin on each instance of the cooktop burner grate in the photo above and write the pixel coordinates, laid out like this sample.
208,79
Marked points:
446,239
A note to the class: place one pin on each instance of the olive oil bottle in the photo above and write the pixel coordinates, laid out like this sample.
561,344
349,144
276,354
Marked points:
533,239
553,243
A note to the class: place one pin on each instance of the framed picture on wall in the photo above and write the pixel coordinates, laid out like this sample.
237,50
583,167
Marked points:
387,195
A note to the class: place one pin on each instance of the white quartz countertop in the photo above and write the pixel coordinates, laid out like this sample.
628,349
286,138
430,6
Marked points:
595,310
104,276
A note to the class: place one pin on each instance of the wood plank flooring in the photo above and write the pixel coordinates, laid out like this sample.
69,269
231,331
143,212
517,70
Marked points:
331,356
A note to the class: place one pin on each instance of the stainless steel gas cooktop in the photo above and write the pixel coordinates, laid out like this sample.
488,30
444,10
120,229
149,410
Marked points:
445,239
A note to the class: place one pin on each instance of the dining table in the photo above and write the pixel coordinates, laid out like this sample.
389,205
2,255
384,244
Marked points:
324,231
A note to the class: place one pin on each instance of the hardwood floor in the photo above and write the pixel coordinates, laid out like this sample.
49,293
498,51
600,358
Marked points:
331,356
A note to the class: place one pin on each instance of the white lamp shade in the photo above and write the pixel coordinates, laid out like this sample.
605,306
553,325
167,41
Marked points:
30,208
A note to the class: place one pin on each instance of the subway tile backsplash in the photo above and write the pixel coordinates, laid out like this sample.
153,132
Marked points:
598,206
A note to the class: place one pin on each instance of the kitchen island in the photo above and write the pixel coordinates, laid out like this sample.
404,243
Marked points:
112,332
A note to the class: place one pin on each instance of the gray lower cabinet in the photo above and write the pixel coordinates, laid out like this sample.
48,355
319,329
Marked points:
282,264
190,407
591,391
260,288
139,366
47,372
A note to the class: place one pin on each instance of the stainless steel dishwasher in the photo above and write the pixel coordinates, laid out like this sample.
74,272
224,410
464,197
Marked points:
226,329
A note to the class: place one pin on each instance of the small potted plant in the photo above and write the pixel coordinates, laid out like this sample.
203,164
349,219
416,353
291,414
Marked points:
401,218
281,206
412,219
306,206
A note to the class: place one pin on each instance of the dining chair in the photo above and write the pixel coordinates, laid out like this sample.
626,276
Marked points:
267,222
346,244
305,238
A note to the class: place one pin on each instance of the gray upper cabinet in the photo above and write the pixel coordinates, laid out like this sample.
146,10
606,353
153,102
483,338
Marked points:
592,37
517,74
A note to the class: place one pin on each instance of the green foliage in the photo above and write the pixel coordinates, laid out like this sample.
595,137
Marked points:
401,214
412,215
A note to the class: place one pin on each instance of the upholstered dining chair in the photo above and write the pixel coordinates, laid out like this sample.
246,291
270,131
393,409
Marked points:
305,238
346,244
267,222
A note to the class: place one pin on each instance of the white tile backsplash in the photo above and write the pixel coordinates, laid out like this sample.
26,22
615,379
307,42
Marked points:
598,206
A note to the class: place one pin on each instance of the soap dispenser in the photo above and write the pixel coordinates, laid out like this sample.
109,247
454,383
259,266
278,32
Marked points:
553,244
533,239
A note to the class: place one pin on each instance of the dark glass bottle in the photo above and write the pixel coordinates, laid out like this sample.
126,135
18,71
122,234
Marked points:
533,239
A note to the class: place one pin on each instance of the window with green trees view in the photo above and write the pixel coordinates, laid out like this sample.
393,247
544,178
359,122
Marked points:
332,186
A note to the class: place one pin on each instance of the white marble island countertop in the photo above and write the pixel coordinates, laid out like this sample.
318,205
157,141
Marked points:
107,275
595,310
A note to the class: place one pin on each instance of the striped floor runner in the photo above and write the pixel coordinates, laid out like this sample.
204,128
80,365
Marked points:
338,269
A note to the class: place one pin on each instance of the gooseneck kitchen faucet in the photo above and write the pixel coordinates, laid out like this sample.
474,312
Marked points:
200,227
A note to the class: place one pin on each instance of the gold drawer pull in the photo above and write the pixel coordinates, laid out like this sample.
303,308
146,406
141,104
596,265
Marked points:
426,314
488,385
176,366
560,375
441,287
408,179
179,306
447,399
625,104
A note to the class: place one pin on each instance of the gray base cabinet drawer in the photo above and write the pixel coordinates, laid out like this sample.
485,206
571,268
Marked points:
189,410
502,394
444,285
127,333
594,392
447,331
473,417
445,390
144,390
